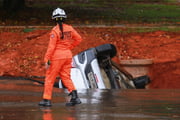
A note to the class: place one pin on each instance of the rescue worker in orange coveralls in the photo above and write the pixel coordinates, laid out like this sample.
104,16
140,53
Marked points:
58,58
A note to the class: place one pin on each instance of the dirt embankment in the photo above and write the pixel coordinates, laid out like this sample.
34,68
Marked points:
22,53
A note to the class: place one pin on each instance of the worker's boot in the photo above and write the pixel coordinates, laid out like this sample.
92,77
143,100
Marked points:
74,99
45,103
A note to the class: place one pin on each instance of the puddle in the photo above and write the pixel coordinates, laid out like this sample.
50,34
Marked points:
21,103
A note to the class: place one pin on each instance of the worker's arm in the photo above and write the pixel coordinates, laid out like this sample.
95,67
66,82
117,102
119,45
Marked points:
51,46
76,37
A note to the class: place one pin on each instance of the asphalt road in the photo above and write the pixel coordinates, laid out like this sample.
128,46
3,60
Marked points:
19,101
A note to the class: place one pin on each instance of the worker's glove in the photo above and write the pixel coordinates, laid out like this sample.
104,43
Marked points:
47,65
49,62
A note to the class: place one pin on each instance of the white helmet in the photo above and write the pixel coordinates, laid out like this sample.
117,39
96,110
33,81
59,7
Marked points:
58,13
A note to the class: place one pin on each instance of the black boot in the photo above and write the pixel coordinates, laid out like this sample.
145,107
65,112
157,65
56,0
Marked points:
74,99
45,103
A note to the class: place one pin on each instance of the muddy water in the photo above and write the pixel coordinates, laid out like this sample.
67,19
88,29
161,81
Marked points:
20,102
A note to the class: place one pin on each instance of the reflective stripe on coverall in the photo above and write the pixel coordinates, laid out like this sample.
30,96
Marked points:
60,55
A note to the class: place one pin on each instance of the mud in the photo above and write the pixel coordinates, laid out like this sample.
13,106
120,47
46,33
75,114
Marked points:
22,52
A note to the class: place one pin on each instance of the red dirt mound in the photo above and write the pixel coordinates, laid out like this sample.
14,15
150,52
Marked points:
22,53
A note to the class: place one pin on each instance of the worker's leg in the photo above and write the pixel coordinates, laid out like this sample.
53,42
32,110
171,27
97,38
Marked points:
51,75
65,75
66,79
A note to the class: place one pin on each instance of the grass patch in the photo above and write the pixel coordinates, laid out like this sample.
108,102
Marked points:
117,12
150,29
98,12
28,30
151,13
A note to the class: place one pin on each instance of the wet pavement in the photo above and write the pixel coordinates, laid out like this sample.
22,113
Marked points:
19,101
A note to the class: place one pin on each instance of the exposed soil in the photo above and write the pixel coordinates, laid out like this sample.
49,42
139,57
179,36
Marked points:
22,53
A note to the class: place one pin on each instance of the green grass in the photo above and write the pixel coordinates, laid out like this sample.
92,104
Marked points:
149,13
99,12
118,12
150,29
28,30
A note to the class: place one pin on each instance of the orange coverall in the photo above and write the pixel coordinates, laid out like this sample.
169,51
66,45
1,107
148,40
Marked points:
60,55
